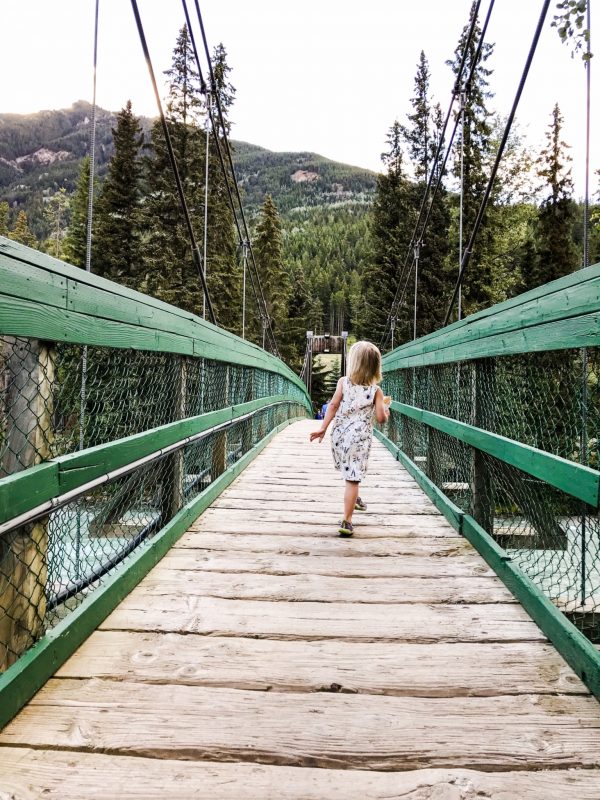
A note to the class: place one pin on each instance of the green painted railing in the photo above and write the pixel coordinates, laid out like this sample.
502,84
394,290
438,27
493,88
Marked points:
122,417
498,419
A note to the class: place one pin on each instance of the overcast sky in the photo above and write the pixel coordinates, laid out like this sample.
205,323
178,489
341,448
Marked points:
328,76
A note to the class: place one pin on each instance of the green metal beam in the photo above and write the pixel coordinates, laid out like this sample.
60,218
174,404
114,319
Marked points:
562,314
25,490
44,298
21,681
574,647
574,479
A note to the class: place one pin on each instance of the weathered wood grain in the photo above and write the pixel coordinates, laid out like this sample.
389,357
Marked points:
323,589
453,670
298,729
357,567
304,505
27,774
327,544
313,621
264,638
215,518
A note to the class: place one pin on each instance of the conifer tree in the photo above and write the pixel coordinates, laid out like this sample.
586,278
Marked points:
224,267
555,251
21,232
117,251
55,213
391,231
4,218
477,280
268,249
302,312
170,271
417,134
76,238
422,137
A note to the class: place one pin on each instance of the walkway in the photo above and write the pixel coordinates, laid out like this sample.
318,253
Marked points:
266,658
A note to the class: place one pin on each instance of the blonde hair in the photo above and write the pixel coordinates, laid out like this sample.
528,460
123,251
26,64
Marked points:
364,364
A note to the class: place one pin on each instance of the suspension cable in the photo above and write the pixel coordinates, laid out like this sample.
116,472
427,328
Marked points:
182,200
469,248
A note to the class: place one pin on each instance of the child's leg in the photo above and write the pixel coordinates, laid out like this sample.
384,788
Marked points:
350,496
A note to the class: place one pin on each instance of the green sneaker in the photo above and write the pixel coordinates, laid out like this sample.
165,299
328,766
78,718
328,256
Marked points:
346,529
360,506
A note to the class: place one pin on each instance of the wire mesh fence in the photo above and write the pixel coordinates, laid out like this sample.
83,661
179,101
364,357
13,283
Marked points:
550,401
58,399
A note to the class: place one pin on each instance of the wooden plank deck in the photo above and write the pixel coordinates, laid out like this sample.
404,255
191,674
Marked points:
266,658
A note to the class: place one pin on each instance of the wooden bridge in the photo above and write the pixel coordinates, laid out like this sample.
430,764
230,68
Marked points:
263,648
178,617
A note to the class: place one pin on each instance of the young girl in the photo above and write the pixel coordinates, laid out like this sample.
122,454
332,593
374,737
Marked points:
357,397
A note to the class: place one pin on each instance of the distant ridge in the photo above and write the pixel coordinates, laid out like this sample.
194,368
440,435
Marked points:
41,152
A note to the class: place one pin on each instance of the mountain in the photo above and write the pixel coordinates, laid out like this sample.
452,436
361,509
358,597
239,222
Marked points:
41,152
324,204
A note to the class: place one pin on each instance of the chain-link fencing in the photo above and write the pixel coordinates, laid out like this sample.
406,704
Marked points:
59,399
549,401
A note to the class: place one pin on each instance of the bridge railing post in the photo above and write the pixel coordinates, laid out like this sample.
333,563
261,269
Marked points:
27,368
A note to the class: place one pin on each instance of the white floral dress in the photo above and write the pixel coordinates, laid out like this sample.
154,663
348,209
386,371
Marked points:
352,430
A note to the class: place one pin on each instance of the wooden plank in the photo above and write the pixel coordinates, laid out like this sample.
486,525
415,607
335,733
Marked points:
323,589
410,526
453,670
29,773
568,476
415,505
328,545
309,621
324,729
357,567
214,518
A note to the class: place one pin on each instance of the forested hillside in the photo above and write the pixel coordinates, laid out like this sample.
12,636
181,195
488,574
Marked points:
336,246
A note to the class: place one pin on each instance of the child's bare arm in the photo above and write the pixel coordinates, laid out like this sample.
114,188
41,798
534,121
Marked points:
333,406
381,406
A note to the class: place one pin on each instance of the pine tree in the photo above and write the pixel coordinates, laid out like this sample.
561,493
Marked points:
76,238
417,134
302,312
170,270
55,213
4,218
268,249
422,136
391,232
476,286
224,268
117,250
21,232
555,251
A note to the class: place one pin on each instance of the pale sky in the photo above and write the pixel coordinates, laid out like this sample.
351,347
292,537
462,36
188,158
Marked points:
328,76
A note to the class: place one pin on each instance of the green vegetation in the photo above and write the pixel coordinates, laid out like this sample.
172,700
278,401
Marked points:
332,242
